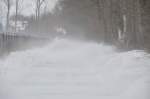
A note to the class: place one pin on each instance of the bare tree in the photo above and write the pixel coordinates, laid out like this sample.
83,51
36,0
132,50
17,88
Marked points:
16,15
18,5
39,4
8,4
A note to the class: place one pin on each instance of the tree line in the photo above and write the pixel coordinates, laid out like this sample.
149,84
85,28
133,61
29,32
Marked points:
13,12
124,23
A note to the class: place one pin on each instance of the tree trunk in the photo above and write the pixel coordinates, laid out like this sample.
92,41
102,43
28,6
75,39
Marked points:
16,16
8,15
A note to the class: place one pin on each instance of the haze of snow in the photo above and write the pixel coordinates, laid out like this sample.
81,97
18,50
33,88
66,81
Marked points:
67,69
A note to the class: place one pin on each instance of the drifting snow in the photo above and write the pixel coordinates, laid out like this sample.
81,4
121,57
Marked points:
68,69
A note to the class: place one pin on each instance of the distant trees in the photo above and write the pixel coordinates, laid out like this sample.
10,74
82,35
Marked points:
79,17
121,22
132,23
18,8
38,4
14,8
145,5
124,23
8,4
16,14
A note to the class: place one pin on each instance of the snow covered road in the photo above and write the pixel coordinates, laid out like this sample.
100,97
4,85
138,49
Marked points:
67,69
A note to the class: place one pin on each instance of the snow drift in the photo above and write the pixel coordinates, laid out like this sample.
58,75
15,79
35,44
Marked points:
67,69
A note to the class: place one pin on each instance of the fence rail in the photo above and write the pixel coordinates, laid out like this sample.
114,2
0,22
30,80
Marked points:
10,42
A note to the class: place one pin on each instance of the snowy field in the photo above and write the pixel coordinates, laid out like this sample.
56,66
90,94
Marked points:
67,69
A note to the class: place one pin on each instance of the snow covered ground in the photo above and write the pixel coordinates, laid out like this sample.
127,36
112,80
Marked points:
67,69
